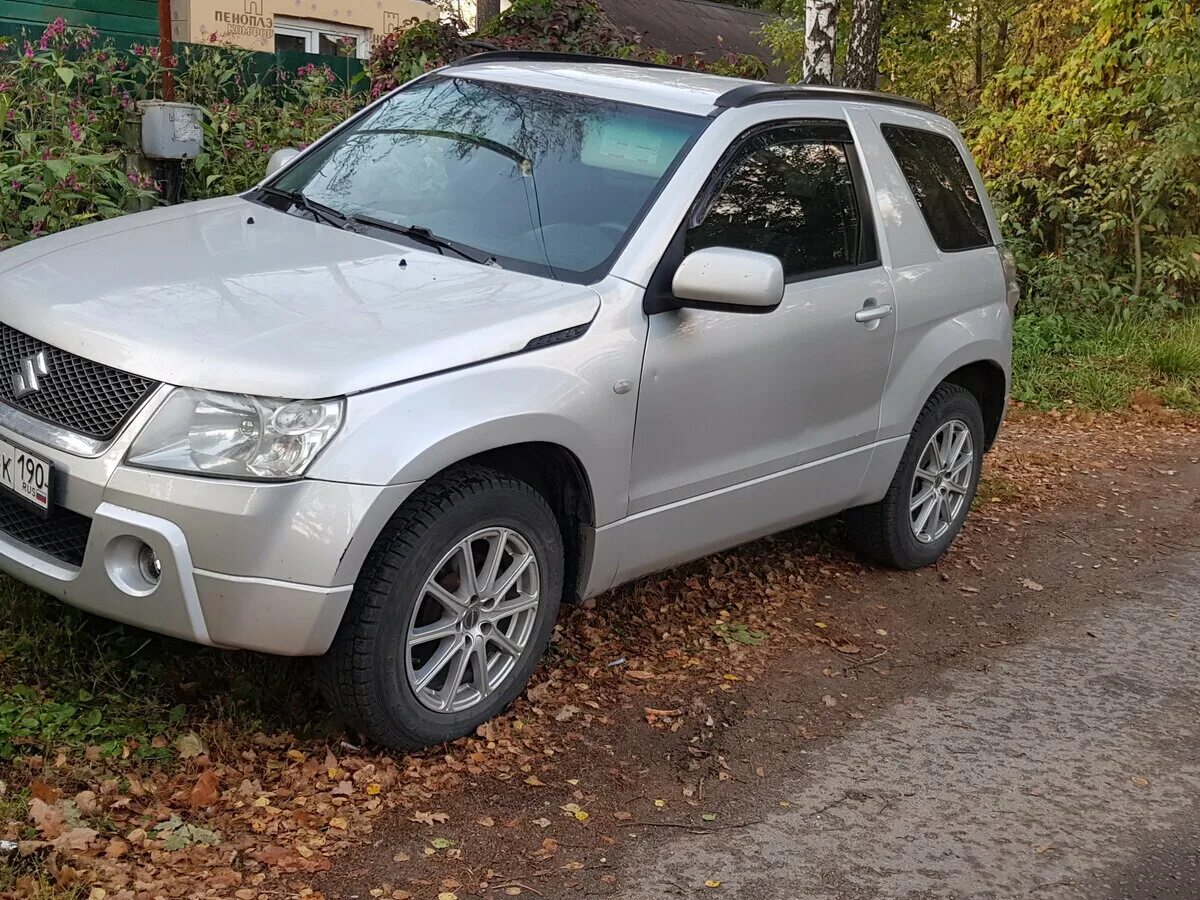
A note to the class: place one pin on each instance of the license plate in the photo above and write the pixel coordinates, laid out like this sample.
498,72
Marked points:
27,475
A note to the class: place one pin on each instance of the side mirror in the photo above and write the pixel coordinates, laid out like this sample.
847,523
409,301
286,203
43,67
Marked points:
724,278
281,158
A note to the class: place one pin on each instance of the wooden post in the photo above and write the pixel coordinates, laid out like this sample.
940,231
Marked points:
166,50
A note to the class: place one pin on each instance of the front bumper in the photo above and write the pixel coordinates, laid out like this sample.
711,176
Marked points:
260,566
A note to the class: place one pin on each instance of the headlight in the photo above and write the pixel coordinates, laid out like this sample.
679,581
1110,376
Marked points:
236,436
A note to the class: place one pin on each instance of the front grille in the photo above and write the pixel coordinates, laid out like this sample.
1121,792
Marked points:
76,393
63,535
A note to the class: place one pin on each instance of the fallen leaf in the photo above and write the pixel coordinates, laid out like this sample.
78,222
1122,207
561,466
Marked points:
485,821
534,781
441,843
431,818
712,883
542,822
189,745
709,817
1140,781
76,839
829,700
1031,584
205,792
44,792
47,819
339,823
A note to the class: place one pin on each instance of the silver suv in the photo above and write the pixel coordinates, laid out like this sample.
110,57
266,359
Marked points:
527,328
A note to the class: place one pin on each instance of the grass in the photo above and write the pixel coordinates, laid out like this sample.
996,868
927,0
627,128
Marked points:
1089,364
70,681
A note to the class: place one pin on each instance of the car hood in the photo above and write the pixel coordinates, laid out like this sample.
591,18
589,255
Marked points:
229,295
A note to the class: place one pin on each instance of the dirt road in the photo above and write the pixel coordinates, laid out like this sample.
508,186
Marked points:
1019,721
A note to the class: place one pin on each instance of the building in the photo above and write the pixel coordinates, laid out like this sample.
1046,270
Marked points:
330,27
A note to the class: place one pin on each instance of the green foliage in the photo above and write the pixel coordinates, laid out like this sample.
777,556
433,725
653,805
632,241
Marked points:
63,100
564,26
1094,159
247,118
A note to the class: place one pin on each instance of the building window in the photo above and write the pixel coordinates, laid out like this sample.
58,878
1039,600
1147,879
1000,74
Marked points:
308,36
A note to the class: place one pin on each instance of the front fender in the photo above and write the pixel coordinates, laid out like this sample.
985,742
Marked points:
562,394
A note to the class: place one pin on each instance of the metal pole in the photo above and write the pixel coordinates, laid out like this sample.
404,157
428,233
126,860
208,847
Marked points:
166,49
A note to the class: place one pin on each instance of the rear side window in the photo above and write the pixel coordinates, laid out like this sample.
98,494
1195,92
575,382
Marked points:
943,187
792,196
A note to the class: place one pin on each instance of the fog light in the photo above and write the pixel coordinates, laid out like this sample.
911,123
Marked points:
149,565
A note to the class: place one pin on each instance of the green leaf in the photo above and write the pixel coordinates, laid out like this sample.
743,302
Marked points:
67,74
59,168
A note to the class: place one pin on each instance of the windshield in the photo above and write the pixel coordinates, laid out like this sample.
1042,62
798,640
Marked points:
541,181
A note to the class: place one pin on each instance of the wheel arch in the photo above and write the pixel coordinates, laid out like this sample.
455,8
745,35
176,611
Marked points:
550,468
986,381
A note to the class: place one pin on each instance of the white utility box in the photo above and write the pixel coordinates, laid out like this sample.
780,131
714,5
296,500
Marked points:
171,130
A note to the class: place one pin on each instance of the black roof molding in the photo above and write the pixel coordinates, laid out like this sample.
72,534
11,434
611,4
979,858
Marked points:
746,95
749,94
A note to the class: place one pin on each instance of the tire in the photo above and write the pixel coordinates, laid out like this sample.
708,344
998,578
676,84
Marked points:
375,676
886,531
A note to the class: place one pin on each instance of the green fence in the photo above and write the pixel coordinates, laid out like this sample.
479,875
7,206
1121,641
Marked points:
128,22
125,21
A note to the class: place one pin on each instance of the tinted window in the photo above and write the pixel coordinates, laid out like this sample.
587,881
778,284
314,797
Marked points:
942,185
793,198
545,182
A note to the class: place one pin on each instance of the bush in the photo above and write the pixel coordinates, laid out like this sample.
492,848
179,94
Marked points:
248,118
1093,156
64,101
563,26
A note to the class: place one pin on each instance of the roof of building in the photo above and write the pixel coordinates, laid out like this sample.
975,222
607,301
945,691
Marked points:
688,26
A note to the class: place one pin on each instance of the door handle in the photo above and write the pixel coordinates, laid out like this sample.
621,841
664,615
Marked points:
872,312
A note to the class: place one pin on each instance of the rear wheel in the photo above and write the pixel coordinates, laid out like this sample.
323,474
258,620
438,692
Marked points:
452,611
935,483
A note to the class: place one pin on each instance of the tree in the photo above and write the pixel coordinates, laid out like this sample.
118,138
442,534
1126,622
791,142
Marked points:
485,11
862,54
820,40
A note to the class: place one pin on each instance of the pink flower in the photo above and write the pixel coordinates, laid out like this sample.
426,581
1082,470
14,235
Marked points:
212,38
76,132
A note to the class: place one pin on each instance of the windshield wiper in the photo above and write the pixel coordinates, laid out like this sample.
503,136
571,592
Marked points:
318,211
421,234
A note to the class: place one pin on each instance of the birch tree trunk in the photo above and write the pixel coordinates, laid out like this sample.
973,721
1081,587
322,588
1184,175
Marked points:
820,40
862,55
485,11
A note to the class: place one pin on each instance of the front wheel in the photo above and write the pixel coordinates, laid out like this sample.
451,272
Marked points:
929,498
452,611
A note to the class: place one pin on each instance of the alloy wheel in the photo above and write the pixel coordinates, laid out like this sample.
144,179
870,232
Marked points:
941,482
473,621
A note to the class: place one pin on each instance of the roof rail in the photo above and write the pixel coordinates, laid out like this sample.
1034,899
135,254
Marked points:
749,94
551,56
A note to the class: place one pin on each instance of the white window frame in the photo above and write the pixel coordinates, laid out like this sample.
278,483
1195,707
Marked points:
312,29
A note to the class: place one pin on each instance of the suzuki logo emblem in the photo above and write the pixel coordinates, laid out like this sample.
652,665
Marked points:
25,379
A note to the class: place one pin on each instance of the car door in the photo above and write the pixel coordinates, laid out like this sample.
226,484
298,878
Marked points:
747,424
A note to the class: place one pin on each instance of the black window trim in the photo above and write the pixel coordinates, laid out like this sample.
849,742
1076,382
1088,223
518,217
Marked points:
993,240
659,297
